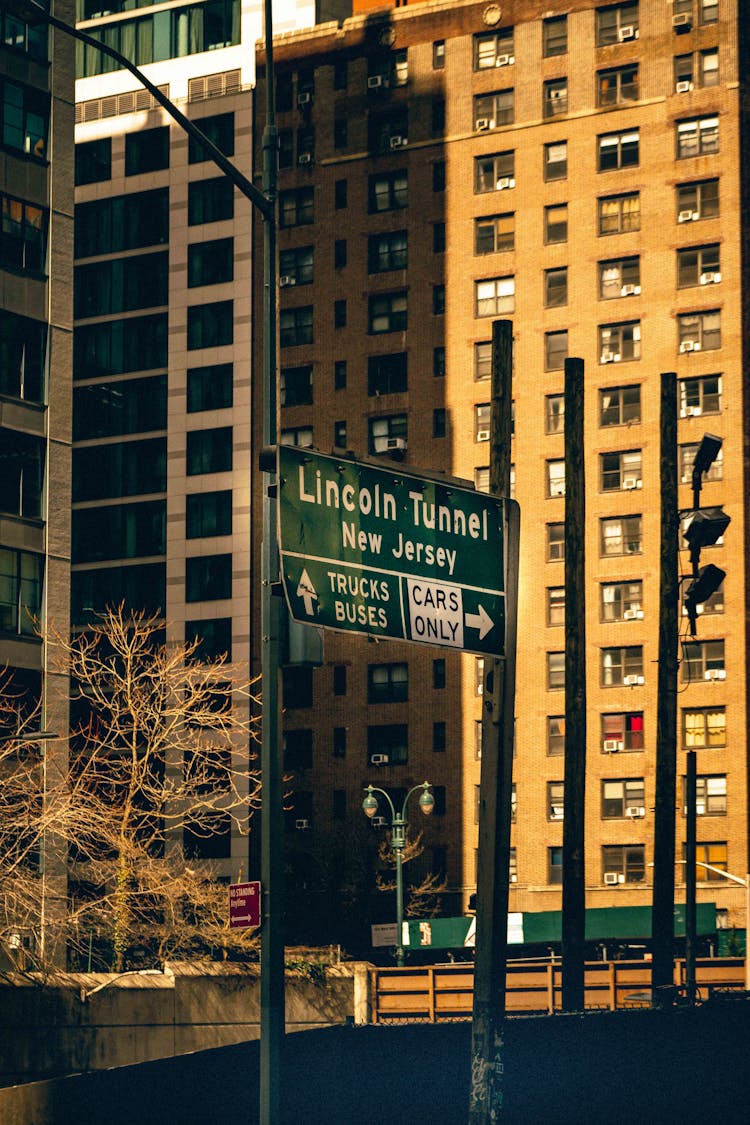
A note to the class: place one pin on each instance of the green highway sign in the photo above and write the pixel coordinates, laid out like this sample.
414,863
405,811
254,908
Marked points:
372,550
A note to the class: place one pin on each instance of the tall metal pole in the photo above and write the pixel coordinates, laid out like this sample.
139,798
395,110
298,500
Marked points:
662,912
574,882
690,875
398,835
272,607
496,779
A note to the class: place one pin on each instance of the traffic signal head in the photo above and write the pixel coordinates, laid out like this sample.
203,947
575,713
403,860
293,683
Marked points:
707,583
706,454
705,526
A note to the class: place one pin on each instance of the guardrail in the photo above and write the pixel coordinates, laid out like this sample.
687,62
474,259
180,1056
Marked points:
440,993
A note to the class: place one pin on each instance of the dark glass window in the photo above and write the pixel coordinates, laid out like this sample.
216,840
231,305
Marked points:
121,285
208,578
209,388
296,207
296,388
387,374
213,636
123,469
119,531
296,326
142,587
339,194
123,222
31,38
210,263
93,161
147,150
208,513
220,130
297,687
339,679
339,375
388,191
298,750
23,350
130,406
210,326
23,235
210,201
209,451
21,581
116,346
24,116
21,474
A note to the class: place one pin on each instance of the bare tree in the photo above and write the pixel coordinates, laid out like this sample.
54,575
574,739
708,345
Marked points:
161,766
423,898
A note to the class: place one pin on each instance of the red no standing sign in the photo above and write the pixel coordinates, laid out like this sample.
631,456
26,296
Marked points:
244,905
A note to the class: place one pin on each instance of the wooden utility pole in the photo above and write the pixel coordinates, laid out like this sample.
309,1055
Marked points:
574,881
662,911
496,780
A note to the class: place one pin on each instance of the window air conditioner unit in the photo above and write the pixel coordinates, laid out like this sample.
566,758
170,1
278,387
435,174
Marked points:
502,60
378,822
682,22
505,182
715,674
380,759
304,99
631,482
691,412
556,812
611,878
631,615
375,82
302,825
635,813
484,123
625,33
608,357
632,681
286,281
483,435
395,443
513,878
683,87
612,745
627,291
687,216
689,346
397,142
304,158
711,278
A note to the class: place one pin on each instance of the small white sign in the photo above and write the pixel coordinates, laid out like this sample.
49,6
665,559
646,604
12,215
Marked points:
435,612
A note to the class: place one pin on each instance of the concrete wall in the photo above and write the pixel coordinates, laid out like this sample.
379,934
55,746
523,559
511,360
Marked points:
80,1022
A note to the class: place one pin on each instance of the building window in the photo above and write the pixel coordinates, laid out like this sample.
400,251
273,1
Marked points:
146,150
23,235
129,406
493,49
701,395
556,287
513,866
339,314
697,200
438,238
388,131
339,742
100,472
697,137
620,342
555,478
622,732
710,795
556,605
621,601
482,422
713,854
617,23
387,312
698,265
438,175
296,266
620,406
298,750
555,350
296,207
555,735
339,375
703,660
555,800
296,326
210,201
208,514
493,110
339,194
121,284
623,798
387,683
209,388
297,687
482,478
93,161
219,129
438,116
699,69
621,535
210,263
618,150
23,354
554,414
555,670
699,331
556,224
617,86
621,470
555,97
339,679
209,451
388,744
339,435
438,54
387,434
556,161
620,277
438,300
286,148
555,538
479,675
618,214
622,666
387,374
208,578
24,113
495,297
295,386
340,132
495,172
483,360
704,728
555,36
340,74
439,422
494,233
687,460
438,361
210,326
339,253
213,637
387,251
554,866
388,191
21,583
623,863
439,741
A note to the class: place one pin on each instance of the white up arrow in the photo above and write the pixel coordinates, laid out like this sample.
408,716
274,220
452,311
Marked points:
306,591
481,621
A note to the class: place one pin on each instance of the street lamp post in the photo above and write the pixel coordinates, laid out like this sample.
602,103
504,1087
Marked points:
398,842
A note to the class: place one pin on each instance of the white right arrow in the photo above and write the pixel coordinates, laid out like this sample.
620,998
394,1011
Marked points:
481,621
306,591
